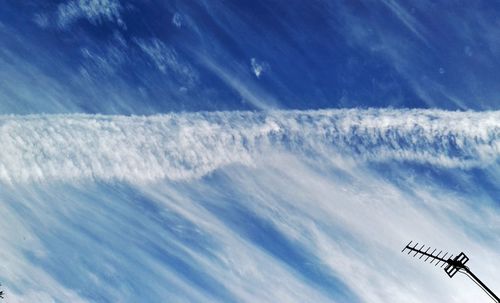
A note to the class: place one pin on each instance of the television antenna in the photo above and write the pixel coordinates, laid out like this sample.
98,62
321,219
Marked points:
453,265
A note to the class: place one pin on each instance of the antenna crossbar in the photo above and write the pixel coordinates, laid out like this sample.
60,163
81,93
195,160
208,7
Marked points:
425,253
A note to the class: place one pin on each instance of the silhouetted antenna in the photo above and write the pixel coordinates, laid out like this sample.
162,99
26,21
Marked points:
453,265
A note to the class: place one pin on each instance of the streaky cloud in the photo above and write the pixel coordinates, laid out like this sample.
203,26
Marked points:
95,11
190,145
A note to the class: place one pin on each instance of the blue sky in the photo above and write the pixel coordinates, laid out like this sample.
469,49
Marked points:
246,151
226,55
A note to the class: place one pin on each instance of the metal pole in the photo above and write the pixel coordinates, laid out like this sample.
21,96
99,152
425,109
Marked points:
481,284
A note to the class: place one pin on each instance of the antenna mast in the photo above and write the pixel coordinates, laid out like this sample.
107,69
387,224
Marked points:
453,265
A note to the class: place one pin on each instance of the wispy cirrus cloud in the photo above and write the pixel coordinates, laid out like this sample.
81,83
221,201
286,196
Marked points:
95,11
167,60
281,230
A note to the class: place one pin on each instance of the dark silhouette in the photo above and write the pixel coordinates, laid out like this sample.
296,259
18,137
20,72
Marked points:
1,292
453,265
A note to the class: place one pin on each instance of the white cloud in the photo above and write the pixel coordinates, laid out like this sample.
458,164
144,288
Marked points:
235,78
166,59
185,146
258,67
95,11
293,173
177,20
356,222
406,19
41,20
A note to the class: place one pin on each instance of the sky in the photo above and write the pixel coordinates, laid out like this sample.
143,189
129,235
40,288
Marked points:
247,151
